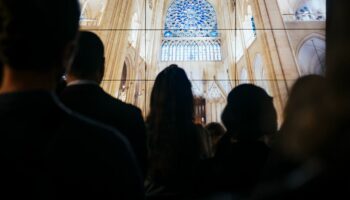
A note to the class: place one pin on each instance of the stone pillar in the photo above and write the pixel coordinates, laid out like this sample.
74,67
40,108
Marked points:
280,50
117,16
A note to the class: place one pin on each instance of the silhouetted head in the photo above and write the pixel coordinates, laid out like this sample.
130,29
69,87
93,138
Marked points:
307,121
89,61
249,113
172,96
38,34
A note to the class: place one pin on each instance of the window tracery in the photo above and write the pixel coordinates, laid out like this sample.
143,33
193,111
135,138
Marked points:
191,32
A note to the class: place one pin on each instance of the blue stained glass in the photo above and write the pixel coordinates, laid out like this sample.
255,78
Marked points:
168,34
198,16
191,32
214,34
253,25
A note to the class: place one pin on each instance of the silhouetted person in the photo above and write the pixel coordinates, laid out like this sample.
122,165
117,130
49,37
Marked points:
174,141
217,131
84,95
241,153
299,114
309,161
46,151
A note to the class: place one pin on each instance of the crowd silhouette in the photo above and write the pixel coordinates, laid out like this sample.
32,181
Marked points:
66,138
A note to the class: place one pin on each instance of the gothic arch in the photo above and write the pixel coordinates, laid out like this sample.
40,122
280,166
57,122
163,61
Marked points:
311,55
131,59
258,67
260,73
243,76
123,85
308,37
127,73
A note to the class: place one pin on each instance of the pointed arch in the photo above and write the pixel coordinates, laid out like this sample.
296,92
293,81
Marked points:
243,78
311,55
260,74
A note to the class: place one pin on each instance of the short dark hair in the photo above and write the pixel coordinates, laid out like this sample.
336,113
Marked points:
33,34
89,59
249,113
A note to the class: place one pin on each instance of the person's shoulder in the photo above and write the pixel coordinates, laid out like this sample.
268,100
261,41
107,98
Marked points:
134,109
113,100
91,88
129,109
90,130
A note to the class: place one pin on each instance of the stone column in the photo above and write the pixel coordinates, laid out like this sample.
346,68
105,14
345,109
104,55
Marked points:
279,52
280,49
112,30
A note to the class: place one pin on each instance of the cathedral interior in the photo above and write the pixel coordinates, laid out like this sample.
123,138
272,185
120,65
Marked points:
219,43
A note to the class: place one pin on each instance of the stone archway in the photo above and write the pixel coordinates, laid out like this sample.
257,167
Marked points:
311,56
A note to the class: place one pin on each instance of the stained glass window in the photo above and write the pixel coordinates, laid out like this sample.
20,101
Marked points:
253,25
303,14
190,32
249,27
190,18
311,11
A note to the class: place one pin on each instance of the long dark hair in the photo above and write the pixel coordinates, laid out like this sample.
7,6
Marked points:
173,139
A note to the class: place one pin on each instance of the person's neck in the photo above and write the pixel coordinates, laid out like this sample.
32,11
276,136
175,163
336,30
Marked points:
71,79
26,80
